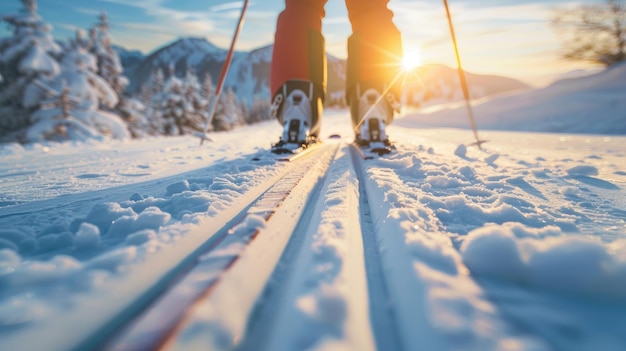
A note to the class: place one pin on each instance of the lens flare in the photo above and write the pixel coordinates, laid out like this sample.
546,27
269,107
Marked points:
411,60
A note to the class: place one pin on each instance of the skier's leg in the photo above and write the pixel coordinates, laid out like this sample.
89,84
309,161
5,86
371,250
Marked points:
374,54
298,69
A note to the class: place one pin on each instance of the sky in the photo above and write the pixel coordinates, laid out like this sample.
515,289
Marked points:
507,37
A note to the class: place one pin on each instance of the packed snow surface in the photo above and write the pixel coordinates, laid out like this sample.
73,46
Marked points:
520,246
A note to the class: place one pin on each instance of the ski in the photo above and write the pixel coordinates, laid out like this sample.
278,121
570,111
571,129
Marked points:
165,307
373,150
292,154
288,154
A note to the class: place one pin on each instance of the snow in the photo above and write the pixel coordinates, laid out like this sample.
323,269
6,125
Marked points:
87,236
520,246
567,106
547,260
329,274
37,60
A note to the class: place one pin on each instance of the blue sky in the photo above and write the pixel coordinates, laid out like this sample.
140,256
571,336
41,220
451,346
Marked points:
506,37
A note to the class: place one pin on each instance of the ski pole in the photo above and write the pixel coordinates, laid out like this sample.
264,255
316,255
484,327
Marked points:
225,67
462,78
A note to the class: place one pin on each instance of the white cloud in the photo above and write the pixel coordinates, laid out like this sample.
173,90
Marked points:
227,6
71,27
86,11
179,22
215,22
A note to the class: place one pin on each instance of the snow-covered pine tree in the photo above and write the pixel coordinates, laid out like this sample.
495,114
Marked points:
138,113
229,114
133,112
110,69
207,87
259,111
152,96
68,104
109,64
145,95
157,82
28,28
183,109
157,90
28,55
196,105
171,104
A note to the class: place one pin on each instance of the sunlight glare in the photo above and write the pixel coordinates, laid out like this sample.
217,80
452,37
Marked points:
411,60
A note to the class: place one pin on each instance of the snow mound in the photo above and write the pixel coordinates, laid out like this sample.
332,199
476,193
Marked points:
87,237
547,259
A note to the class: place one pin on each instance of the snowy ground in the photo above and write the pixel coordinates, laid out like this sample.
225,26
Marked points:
521,246
589,104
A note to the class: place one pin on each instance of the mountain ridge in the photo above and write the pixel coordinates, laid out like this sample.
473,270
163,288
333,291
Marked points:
249,73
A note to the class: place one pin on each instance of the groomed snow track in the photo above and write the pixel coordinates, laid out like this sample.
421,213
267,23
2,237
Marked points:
161,313
308,249
329,280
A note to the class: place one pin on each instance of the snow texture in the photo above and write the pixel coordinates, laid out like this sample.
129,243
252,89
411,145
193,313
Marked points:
503,248
566,106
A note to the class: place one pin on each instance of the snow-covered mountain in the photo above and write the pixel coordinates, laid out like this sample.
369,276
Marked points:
130,59
249,75
590,104
436,84
197,53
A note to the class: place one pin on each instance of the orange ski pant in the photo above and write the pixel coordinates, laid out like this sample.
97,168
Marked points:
374,49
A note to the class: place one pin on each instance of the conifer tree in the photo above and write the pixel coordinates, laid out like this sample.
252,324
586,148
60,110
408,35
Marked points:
153,96
229,114
259,111
171,104
196,105
30,53
109,64
207,87
183,108
67,106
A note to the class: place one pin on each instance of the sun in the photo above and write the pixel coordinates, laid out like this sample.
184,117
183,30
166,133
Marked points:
411,60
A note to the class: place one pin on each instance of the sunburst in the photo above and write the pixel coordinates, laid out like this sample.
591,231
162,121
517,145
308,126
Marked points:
411,60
